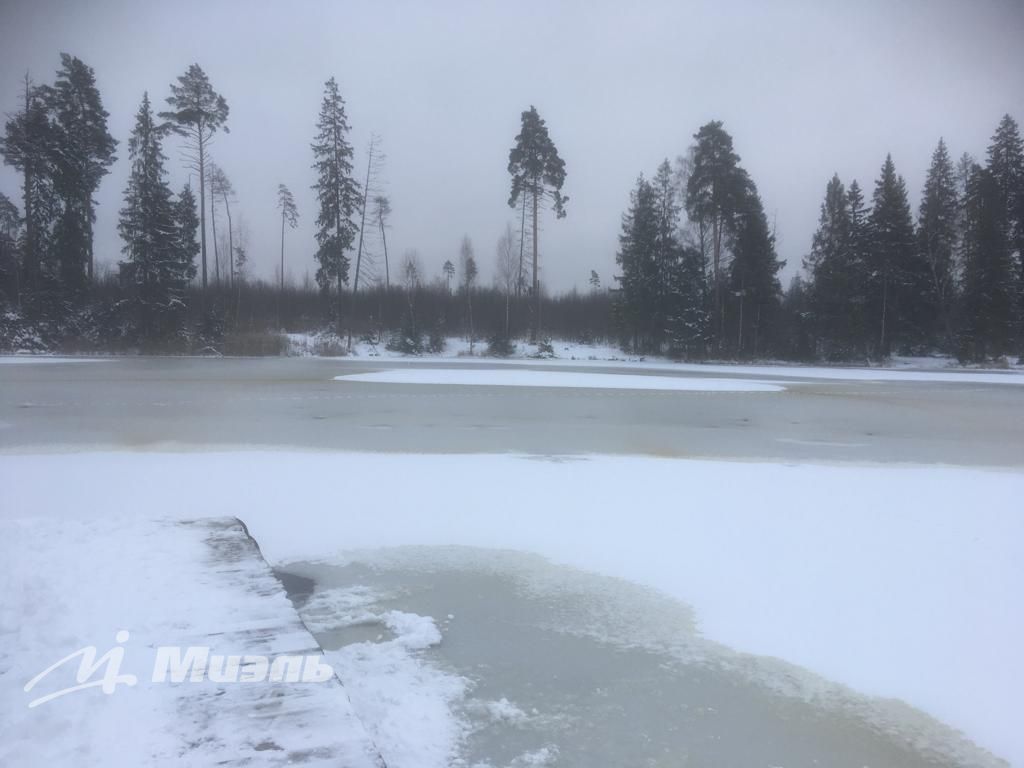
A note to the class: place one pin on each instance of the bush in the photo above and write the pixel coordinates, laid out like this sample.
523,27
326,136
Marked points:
329,344
19,335
436,342
500,345
408,340
544,350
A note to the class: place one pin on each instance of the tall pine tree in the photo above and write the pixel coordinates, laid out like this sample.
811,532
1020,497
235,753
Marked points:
197,112
27,146
538,173
82,151
715,191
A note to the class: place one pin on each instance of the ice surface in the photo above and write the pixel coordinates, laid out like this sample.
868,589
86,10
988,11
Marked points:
43,359
505,377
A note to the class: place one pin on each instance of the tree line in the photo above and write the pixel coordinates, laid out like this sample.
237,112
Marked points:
698,272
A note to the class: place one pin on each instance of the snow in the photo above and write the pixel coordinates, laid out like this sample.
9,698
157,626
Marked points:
457,351
405,703
529,378
500,711
899,582
77,577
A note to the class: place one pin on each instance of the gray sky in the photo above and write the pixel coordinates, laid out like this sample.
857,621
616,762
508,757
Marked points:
805,88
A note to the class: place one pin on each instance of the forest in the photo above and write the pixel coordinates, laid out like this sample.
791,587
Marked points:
698,276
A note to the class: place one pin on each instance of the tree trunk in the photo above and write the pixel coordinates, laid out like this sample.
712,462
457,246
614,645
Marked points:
231,239
216,250
885,307
387,271
202,203
522,248
716,255
359,250
536,279
31,257
280,291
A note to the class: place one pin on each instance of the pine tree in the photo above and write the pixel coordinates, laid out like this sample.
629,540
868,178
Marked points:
82,151
449,272
289,217
893,285
937,236
337,193
197,112
990,293
26,145
714,191
538,173
158,261
10,226
467,265
222,191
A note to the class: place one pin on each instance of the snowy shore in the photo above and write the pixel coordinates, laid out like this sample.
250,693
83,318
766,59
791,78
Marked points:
898,582
73,581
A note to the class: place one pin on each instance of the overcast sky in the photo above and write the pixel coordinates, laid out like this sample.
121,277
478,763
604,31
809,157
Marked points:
805,88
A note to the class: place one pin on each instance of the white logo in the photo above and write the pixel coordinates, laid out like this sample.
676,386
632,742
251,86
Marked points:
86,668
177,665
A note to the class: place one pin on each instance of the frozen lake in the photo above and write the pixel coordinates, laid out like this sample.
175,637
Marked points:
537,664
152,402
571,669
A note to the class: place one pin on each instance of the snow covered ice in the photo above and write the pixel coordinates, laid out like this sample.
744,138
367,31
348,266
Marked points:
918,597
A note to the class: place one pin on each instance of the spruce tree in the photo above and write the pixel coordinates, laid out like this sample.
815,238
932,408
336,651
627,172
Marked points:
893,286
337,194
186,221
937,235
858,275
82,151
990,292
753,275
667,250
538,173
638,261
831,277
687,318
197,112
1006,164
158,262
